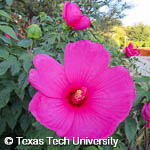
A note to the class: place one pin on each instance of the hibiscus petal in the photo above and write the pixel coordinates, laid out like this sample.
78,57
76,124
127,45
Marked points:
89,123
55,114
130,46
65,9
113,94
108,103
82,24
83,60
72,13
49,77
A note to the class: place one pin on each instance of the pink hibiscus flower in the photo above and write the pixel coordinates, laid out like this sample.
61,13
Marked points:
130,51
83,98
146,113
74,18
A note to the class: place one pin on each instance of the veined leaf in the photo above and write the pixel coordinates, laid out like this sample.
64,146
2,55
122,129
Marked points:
4,14
9,31
4,52
130,129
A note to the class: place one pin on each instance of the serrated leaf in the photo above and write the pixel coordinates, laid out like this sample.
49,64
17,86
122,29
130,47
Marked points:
22,81
32,91
4,52
13,114
19,93
22,84
4,97
27,61
130,129
8,30
24,122
15,65
4,14
4,66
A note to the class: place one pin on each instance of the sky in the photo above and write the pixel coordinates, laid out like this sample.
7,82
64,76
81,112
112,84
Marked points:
140,13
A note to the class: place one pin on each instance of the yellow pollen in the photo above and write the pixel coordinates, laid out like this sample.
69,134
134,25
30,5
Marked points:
78,94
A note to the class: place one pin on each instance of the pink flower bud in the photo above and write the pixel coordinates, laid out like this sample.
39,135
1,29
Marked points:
146,113
74,18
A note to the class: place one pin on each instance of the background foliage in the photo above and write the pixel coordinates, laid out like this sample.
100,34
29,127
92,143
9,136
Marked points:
16,60
139,35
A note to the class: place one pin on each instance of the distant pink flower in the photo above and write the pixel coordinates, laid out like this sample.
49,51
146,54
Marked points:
146,113
74,18
130,51
83,98
7,35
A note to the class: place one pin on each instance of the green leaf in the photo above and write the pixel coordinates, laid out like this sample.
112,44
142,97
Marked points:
41,131
139,95
4,66
4,14
107,148
24,122
142,79
31,90
4,52
90,148
130,129
24,43
22,84
5,39
22,81
27,61
53,147
2,126
122,146
4,97
15,65
9,2
13,112
3,23
8,30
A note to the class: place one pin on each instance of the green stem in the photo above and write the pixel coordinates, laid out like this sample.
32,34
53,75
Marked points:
31,47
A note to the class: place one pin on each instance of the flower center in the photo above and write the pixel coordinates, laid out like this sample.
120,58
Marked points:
78,96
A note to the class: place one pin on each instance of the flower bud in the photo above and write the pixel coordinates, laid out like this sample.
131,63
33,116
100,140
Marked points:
34,31
146,113
97,6
61,5
43,14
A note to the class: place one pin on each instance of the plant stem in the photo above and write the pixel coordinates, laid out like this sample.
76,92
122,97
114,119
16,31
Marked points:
146,139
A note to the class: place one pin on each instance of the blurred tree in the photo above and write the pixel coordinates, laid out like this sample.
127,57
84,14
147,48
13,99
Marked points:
139,35
107,12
